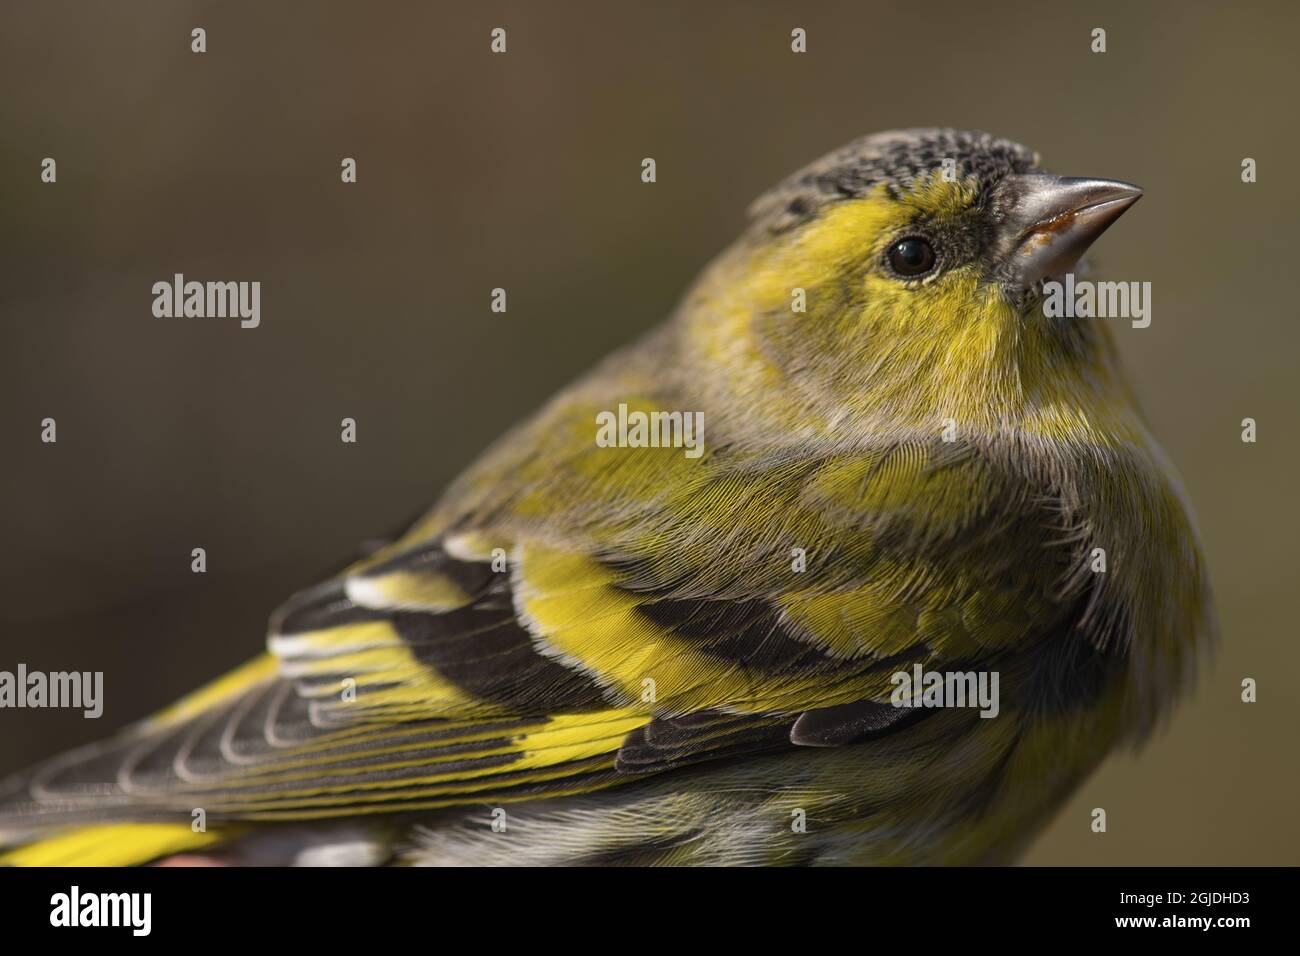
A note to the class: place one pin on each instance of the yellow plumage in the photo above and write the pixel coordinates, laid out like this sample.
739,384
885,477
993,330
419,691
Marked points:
639,655
112,844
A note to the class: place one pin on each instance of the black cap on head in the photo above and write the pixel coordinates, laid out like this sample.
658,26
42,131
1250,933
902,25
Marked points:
897,158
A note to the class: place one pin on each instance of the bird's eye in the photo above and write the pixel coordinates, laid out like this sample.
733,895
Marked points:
911,257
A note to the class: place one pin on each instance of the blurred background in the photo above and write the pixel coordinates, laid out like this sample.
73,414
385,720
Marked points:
522,171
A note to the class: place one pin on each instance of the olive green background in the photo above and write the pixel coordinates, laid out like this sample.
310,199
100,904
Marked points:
522,171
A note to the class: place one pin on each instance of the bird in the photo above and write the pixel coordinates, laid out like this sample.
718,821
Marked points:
658,644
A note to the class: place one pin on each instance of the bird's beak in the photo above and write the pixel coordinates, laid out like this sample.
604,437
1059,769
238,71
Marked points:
1048,222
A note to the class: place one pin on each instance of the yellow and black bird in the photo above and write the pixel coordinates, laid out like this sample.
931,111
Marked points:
649,654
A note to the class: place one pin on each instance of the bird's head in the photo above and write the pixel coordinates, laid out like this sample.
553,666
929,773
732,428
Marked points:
897,282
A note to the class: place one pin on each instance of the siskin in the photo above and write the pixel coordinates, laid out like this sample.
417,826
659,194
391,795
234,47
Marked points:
692,612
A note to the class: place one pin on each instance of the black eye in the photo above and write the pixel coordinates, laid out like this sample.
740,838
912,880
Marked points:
911,257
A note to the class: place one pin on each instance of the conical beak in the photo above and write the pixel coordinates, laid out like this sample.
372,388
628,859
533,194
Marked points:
1050,221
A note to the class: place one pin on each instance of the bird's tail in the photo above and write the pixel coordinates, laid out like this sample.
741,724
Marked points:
110,844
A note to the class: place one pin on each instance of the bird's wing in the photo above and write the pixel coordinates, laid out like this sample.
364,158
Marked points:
594,616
